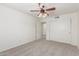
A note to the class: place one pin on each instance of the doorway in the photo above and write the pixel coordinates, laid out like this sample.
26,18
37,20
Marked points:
44,30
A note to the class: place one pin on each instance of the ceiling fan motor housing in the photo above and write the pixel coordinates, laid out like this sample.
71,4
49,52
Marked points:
42,11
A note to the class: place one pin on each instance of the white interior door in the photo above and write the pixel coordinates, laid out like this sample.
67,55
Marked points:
60,30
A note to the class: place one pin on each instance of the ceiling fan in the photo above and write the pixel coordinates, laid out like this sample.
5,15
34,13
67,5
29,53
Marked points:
42,11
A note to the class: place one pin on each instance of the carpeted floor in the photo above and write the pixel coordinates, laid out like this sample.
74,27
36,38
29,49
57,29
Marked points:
42,48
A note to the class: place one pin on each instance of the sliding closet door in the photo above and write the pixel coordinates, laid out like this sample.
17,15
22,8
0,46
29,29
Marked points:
60,29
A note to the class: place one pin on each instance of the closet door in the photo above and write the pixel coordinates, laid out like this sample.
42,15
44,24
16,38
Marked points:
60,29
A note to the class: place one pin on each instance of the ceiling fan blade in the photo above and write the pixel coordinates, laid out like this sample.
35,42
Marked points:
50,9
39,4
34,10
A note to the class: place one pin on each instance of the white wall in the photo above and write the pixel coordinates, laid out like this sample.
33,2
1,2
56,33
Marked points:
78,30
71,29
16,28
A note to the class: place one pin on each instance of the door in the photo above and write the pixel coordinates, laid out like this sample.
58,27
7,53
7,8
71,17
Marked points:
60,30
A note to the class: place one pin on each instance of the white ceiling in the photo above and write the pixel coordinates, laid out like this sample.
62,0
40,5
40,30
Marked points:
61,8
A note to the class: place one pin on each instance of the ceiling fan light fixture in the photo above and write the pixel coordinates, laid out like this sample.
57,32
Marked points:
40,15
43,15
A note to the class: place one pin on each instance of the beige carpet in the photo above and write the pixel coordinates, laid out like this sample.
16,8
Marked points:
42,48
